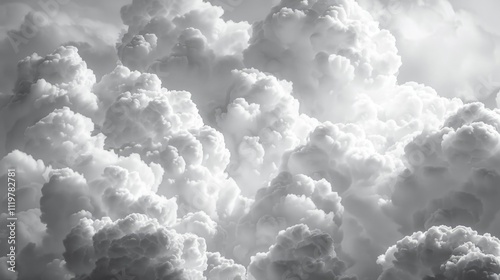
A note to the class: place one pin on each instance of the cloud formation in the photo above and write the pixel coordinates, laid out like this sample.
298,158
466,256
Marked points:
295,146
299,253
454,171
329,49
182,42
445,253
432,34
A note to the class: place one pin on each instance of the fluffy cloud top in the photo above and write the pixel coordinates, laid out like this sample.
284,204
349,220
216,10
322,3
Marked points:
329,49
137,246
260,122
287,201
445,253
44,84
299,253
188,45
459,161
216,150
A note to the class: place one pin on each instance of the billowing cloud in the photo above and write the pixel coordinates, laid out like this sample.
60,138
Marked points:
455,171
165,129
298,147
32,174
330,50
66,140
299,253
44,84
445,253
65,200
41,26
189,46
287,201
342,154
222,268
260,122
137,246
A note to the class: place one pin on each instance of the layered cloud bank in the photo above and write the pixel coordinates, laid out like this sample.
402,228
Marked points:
290,148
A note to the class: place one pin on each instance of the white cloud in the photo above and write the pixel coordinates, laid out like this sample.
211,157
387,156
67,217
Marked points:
188,45
287,201
442,252
329,50
136,246
298,253
220,150
260,122
41,26
435,36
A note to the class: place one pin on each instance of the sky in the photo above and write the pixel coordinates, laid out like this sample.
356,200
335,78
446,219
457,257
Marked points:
250,139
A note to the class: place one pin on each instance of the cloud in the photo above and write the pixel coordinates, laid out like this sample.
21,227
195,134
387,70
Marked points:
120,185
44,84
433,36
243,10
458,208
339,153
453,170
260,121
288,200
329,50
213,150
36,262
222,268
61,137
65,200
67,141
32,174
298,253
182,43
165,129
121,197
136,116
202,225
41,26
443,252
140,247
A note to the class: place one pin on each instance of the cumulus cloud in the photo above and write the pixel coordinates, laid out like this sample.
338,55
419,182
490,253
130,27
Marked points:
189,46
330,50
222,268
166,130
288,200
65,200
41,26
299,253
136,116
454,170
44,84
260,122
32,174
137,246
66,140
445,253
342,154
289,149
